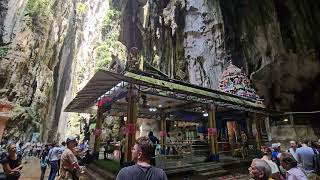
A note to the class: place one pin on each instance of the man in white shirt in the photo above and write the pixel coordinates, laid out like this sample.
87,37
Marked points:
275,173
54,156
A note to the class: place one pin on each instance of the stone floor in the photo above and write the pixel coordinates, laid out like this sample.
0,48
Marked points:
31,170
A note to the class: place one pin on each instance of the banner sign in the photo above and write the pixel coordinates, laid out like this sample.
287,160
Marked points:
98,131
163,133
130,129
107,102
212,131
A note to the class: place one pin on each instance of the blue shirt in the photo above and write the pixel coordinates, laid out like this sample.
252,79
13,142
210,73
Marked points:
54,153
305,156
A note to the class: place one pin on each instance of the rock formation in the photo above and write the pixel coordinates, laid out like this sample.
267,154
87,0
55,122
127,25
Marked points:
49,49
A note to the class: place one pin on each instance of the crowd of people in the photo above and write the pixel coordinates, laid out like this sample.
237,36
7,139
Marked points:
299,162
64,160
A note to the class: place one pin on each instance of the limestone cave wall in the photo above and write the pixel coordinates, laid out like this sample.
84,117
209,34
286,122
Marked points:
47,52
276,42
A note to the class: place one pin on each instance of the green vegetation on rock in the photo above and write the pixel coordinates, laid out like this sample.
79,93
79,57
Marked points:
3,52
81,8
37,7
111,43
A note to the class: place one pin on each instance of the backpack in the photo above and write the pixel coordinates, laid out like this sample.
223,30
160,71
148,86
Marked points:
316,162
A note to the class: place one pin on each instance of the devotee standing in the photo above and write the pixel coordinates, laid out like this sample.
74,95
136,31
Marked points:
305,156
290,164
259,170
44,159
293,149
155,141
141,154
244,147
275,173
53,159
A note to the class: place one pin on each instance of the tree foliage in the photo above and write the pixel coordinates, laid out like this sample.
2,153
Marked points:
110,44
37,7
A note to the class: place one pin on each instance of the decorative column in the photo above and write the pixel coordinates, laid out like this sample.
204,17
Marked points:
256,130
131,123
212,133
267,125
163,132
4,116
98,131
291,119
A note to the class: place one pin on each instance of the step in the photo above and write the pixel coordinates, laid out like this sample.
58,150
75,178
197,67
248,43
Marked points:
204,164
215,173
214,168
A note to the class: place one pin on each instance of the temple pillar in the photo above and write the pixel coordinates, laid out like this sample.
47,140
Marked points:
131,124
163,132
291,119
212,133
256,130
268,129
99,121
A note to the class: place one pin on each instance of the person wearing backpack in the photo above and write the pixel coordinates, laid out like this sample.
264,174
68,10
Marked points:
141,153
44,160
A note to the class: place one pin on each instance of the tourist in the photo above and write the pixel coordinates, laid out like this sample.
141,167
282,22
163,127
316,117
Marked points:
69,164
108,147
44,159
293,149
169,144
142,154
275,173
289,163
155,141
12,163
38,149
305,156
62,148
259,170
123,150
276,153
27,149
53,159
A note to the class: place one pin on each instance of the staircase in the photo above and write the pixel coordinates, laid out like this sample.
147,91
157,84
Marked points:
207,170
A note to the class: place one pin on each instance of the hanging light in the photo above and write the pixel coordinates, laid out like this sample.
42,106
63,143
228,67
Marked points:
205,114
152,109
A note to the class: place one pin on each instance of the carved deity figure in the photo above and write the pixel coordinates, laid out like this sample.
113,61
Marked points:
133,61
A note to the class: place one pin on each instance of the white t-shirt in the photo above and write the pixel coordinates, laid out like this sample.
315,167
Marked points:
273,166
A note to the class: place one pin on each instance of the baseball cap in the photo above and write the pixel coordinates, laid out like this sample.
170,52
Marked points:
71,138
275,145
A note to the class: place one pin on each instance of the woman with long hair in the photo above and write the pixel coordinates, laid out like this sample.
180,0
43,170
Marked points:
12,163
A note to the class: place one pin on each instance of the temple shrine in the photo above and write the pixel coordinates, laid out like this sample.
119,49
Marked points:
235,81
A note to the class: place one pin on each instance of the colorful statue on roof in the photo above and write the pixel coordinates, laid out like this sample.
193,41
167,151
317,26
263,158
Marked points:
133,61
235,81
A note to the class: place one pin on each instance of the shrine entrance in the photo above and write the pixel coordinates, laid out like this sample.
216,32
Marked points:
190,121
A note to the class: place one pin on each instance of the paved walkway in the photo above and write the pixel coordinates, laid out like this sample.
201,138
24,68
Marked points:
31,170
